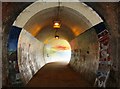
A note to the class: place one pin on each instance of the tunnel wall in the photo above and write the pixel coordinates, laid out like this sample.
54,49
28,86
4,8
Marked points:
10,11
109,11
30,55
85,57
13,71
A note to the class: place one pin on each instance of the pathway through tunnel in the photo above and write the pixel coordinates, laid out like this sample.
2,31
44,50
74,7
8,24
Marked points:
57,74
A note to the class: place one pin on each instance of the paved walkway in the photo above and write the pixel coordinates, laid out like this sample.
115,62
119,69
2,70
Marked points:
57,75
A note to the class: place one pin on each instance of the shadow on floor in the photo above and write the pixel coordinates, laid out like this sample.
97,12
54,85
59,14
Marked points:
57,74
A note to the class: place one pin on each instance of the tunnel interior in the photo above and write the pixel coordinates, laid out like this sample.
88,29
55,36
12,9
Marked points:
83,37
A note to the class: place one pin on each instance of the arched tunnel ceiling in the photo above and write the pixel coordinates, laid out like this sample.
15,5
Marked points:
72,24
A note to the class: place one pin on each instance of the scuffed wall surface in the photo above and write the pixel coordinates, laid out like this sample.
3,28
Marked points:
30,55
85,54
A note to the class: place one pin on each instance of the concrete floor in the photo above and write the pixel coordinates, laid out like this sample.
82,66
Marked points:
57,75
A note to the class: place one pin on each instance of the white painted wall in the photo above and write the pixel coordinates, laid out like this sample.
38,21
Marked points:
30,55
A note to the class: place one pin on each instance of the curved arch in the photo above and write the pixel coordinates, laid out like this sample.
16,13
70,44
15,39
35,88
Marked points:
36,7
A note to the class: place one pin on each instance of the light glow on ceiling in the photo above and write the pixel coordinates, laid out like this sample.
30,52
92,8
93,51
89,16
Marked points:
35,29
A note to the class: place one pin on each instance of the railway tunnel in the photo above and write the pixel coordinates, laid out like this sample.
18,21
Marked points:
81,56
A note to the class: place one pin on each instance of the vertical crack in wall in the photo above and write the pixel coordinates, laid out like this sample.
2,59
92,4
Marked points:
1,45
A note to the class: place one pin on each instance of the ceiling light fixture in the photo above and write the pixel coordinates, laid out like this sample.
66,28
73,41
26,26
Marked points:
56,37
56,25
57,22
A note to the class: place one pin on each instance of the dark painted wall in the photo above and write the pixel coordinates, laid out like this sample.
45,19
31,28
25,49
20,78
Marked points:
110,13
13,71
10,11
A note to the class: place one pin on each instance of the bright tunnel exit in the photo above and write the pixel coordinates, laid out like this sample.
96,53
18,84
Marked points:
57,50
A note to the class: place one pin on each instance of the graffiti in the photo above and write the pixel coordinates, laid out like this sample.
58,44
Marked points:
84,58
101,79
104,61
14,74
77,57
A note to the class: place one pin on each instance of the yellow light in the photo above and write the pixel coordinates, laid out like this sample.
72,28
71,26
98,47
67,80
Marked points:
56,24
56,37
35,29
